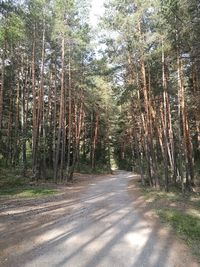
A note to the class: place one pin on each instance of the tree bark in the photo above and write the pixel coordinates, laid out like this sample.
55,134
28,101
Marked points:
2,86
34,111
61,114
94,140
69,176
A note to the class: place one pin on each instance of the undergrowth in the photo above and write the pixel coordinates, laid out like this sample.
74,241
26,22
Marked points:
13,184
86,169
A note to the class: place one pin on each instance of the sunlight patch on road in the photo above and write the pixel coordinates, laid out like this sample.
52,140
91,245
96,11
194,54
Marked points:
50,235
139,239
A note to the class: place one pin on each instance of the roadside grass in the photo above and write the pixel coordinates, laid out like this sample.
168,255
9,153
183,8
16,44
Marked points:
185,224
174,196
181,212
26,192
13,185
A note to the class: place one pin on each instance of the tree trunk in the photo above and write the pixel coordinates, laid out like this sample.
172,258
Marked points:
2,86
165,122
69,176
23,117
94,140
196,97
40,135
61,115
34,131
185,126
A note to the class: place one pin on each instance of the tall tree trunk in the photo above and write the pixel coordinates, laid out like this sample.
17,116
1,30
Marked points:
61,114
152,140
78,124
34,111
80,129
141,134
54,125
180,145
186,131
165,121
69,118
196,110
40,157
94,140
147,117
23,115
2,86
17,131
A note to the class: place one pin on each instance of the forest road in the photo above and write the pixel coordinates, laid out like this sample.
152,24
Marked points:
106,227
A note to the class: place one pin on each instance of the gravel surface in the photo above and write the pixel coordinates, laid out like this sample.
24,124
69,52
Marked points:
105,225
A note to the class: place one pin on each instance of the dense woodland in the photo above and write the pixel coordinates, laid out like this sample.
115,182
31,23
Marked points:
131,97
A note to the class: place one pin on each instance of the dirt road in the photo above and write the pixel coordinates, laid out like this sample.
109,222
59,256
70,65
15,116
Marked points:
106,225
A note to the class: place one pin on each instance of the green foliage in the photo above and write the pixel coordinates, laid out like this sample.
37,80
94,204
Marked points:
14,27
11,29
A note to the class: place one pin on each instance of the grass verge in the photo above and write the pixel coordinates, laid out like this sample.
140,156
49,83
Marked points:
180,212
24,192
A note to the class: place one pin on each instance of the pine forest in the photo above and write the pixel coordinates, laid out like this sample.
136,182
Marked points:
99,133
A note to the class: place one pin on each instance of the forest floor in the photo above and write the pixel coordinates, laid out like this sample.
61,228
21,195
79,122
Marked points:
100,220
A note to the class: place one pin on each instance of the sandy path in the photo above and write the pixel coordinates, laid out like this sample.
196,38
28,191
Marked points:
105,225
